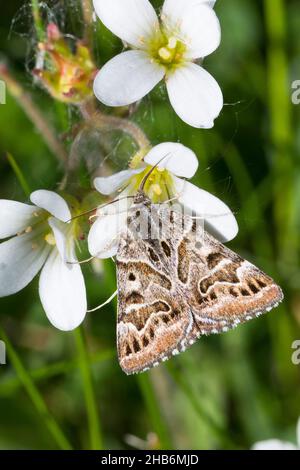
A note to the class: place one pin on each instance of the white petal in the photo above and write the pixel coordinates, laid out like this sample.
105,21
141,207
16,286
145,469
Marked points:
110,184
62,292
52,203
14,217
64,244
127,78
177,8
219,220
195,23
21,258
298,433
103,239
131,20
179,160
195,96
274,444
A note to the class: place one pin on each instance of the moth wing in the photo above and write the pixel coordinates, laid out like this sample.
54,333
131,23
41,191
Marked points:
153,320
222,289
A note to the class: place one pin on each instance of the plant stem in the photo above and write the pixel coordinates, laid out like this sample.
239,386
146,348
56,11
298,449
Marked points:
35,396
19,174
38,23
87,12
154,411
281,127
34,114
108,122
184,386
12,384
90,399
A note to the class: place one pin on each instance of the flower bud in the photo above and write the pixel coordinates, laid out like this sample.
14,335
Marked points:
67,75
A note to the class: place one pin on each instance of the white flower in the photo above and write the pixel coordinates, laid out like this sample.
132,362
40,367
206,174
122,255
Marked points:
42,239
188,30
165,182
276,444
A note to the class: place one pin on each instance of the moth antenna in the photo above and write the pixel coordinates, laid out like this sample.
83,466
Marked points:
105,303
144,181
99,207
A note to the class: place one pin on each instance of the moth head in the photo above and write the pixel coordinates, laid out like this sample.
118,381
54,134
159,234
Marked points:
141,198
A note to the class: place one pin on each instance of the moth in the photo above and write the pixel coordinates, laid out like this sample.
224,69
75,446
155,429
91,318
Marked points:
177,287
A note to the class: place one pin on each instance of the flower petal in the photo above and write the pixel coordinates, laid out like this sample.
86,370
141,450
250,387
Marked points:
110,184
274,444
298,433
177,8
196,24
21,258
219,220
127,78
60,231
52,203
14,217
62,292
179,160
195,96
131,20
103,239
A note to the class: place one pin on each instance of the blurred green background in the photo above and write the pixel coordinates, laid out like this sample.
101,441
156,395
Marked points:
62,390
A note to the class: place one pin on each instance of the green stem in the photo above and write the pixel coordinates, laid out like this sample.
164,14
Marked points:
19,174
154,411
182,383
281,127
38,23
12,384
35,396
90,398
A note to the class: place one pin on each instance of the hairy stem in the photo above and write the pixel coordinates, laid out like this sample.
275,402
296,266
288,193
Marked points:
38,23
87,13
108,122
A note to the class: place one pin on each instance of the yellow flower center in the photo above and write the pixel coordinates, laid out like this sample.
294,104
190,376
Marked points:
49,238
159,186
167,49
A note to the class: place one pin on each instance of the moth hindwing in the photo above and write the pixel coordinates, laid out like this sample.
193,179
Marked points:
174,288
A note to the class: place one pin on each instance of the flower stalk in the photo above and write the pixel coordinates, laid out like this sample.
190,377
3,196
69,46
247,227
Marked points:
37,19
282,134
96,442
35,396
